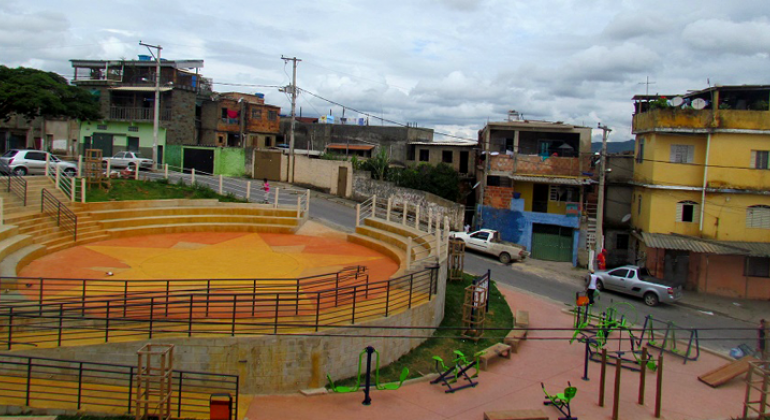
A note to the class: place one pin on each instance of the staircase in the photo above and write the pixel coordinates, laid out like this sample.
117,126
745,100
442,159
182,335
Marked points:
591,210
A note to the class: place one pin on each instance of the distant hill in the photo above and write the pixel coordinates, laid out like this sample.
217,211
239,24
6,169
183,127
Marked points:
614,146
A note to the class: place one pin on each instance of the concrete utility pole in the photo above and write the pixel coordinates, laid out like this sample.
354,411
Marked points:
599,244
156,116
293,108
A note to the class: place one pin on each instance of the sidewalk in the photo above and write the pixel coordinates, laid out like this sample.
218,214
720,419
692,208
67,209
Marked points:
741,309
546,356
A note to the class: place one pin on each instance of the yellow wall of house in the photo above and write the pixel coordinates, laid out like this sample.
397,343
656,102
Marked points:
557,207
664,203
657,168
725,217
525,188
730,157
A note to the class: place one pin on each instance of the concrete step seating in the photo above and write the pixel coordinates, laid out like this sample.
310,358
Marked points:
397,235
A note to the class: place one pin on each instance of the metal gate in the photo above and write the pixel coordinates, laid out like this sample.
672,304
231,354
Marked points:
267,165
200,159
103,141
551,243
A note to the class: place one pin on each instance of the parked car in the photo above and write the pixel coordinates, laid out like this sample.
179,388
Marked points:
637,281
32,162
126,159
488,241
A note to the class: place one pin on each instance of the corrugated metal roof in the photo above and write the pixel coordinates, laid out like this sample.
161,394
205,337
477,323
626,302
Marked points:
705,246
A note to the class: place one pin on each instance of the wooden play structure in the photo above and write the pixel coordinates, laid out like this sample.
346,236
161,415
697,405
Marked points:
456,258
725,373
475,307
756,405
153,381
93,171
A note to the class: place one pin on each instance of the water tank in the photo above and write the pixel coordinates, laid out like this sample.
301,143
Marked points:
260,95
145,58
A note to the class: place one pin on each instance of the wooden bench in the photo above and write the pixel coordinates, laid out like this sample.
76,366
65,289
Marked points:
497,350
514,339
515,415
725,373
522,319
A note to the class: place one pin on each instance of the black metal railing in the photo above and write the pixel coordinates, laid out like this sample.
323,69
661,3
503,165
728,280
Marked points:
65,218
208,312
14,184
103,387
66,289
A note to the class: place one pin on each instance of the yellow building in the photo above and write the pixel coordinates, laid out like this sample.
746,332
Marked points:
701,205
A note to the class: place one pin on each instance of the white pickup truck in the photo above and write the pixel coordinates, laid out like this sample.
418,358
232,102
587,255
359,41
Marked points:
488,241
637,281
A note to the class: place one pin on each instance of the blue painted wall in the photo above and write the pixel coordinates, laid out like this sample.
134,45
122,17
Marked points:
515,224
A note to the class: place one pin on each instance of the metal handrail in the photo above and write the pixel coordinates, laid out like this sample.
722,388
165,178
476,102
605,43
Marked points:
202,312
68,289
114,381
65,218
16,184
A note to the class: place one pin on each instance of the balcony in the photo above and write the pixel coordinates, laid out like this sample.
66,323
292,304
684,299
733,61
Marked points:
132,113
684,120
536,165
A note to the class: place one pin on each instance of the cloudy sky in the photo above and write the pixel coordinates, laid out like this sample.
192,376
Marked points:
450,65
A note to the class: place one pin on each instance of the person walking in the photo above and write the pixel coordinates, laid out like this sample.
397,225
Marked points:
266,187
591,286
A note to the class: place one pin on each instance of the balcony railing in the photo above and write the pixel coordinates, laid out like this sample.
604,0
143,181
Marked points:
131,113
540,165
693,119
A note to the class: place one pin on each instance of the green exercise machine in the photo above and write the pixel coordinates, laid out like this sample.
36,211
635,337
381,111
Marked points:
368,352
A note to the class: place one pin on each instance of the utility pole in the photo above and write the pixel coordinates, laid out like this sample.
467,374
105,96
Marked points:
599,243
293,108
156,116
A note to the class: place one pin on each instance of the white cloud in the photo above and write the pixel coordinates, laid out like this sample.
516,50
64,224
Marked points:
726,37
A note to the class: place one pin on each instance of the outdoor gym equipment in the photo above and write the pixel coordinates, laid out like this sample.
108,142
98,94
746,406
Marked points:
391,386
561,401
458,370
669,343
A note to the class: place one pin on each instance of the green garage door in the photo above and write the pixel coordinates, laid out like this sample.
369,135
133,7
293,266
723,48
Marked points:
551,243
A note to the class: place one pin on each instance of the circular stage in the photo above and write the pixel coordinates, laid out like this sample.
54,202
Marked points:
210,255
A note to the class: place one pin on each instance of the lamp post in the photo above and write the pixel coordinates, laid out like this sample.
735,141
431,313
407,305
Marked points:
156,114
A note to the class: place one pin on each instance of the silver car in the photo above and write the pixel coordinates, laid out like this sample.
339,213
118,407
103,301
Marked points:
636,281
32,162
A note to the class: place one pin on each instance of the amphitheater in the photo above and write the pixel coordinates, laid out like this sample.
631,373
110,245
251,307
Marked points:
255,298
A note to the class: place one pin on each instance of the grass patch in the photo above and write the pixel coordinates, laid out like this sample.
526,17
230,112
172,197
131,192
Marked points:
130,189
444,342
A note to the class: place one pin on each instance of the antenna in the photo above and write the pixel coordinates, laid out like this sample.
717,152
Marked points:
648,83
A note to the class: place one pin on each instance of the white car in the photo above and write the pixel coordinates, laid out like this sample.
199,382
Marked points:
32,162
128,159
636,281
488,241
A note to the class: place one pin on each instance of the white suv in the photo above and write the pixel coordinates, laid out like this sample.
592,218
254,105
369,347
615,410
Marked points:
32,162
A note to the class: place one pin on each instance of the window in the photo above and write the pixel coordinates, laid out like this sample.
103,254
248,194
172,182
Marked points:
759,159
687,211
562,193
256,114
133,128
446,156
508,145
682,153
639,205
480,235
758,217
640,153
35,156
621,272
272,115
101,127
410,149
757,267
621,241
424,155
224,113
268,141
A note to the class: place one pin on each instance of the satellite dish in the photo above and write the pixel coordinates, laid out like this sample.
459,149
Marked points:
626,218
677,101
699,103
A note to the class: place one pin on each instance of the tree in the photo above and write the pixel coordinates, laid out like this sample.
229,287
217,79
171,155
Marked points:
32,93
378,165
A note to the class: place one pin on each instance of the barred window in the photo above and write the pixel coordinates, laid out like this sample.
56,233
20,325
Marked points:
758,217
687,211
682,153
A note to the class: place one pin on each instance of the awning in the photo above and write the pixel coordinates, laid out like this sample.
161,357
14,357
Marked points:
142,88
335,146
703,246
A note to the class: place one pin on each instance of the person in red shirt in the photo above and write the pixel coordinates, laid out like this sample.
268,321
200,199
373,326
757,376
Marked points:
601,260
266,187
